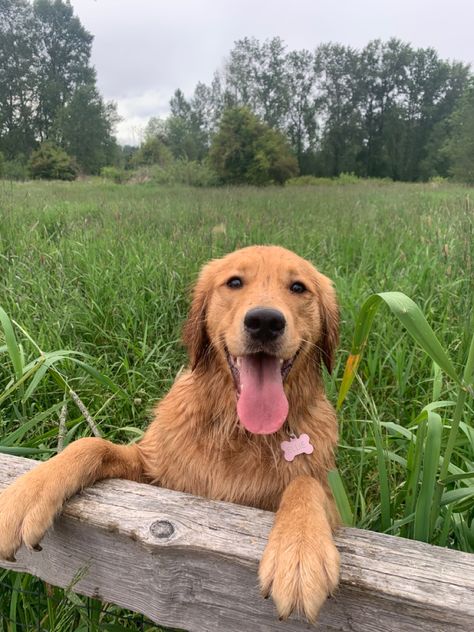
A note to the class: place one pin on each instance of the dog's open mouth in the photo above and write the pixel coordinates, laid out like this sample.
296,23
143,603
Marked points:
262,405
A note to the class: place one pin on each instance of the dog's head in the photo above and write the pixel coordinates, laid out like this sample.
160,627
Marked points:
259,312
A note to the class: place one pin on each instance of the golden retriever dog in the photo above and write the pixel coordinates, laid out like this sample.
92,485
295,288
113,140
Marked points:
248,422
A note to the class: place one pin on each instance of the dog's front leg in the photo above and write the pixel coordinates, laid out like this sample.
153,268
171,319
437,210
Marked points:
28,506
300,565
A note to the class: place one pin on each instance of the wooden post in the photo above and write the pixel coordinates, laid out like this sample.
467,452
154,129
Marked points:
190,563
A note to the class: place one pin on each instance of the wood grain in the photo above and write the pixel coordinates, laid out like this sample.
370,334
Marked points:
190,563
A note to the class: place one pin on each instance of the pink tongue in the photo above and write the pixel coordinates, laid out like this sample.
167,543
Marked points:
262,406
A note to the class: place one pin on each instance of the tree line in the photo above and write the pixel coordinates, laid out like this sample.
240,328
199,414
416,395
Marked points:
388,110
48,91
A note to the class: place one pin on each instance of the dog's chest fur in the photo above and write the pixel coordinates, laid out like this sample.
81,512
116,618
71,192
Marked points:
188,450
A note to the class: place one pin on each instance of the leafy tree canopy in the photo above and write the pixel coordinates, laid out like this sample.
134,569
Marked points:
459,147
246,150
47,85
380,111
51,163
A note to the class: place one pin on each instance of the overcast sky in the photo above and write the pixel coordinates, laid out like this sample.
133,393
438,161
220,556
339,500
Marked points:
144,49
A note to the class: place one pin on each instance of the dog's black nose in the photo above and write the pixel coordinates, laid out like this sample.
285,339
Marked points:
264,324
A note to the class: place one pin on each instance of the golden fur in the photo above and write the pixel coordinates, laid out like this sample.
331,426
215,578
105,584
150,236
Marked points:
196,444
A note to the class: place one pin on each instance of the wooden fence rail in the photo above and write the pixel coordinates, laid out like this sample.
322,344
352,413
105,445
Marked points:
190,563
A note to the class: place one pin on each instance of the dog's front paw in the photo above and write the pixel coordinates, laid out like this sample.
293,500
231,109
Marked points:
299,571
27,510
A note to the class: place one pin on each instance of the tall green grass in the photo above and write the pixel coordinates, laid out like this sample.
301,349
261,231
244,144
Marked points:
425,509
94,281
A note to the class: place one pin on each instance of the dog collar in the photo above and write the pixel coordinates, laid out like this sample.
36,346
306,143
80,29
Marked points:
295,446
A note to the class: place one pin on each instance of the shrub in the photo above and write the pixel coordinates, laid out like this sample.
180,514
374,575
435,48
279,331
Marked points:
152,152
246,150
192,173
153,174
437,181
189,172
15,170
119,176
348,178
52,163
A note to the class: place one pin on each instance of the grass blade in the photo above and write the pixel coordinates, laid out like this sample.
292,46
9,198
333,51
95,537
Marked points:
385,504
340,496
455,495
101,378
414,460
425,509
11,344
11,389
414,321
19,451
17,435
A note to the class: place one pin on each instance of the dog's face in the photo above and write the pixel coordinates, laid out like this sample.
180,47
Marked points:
259,311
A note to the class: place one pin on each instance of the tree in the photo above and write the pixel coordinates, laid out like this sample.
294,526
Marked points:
203,116
156,128
18,50
47,86
256,77
341,138
381,80
52,163
301,120
434,88
381,108
125,156
435,161
378,112
459,149
64,49
153,152
186,129
84,128
246,150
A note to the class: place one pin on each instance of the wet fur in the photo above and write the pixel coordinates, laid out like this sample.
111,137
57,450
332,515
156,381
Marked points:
195,443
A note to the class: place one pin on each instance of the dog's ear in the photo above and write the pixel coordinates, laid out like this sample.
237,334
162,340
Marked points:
329,312
195,336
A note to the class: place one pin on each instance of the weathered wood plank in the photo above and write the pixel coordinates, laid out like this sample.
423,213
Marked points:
191,563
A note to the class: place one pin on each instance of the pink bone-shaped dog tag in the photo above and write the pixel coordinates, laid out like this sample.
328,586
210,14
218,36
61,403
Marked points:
295,446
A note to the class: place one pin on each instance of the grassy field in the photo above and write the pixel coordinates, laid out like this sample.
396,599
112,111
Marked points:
105,270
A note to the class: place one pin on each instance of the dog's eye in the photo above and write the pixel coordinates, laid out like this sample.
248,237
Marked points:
297,287
235,283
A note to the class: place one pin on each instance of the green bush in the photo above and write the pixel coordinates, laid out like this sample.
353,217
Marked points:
189,172
119,176
152,152
246,150
50,162
348,178
438,181
192,173
14,170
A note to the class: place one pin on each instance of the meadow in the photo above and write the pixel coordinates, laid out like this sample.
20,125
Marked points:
105,270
